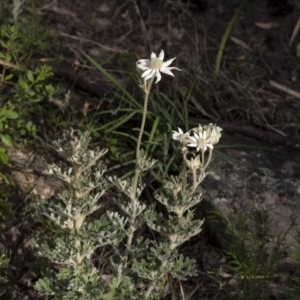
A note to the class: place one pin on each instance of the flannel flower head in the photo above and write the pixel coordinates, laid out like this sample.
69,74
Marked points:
200,140
156,65
214,133
183,138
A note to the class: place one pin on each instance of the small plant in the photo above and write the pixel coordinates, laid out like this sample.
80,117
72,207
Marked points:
23,88
136,266
253,253
35,38
293,288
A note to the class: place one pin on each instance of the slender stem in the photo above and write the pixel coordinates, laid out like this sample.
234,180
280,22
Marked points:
184,172
202,158
130,236
149,290
208,159
138,145
80,217
195,182
154,282
147,87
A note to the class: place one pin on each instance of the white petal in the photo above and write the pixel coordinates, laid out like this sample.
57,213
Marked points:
166,71
175,135
143,68
172,68
150,75
210,146
195,137
153,55
147,72
158,76
192,145
168,62
162,55
143,64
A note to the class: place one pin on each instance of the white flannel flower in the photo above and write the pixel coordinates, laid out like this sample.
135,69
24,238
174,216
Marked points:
213,132
183,138
154,66
200,140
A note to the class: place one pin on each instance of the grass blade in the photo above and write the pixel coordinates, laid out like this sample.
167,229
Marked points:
224,40
152,133
113,80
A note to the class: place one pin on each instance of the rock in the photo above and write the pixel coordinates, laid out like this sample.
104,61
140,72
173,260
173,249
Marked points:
254,179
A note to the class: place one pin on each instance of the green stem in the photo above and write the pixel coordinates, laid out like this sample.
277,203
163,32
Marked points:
208,160
138,145
195,181
184,172
147,87
154,282
150,289
202,158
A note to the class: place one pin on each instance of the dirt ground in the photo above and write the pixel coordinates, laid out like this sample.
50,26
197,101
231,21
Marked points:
255,99
259,73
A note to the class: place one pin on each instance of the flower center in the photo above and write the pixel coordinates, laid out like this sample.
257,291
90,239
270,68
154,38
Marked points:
156,63
201,143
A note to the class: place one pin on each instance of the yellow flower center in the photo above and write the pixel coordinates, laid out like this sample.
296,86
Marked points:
156,63
201,143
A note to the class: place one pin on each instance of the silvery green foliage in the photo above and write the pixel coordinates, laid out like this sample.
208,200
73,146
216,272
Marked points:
126,186
144,162
73,243
176,198
160,261
153,261
136,269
